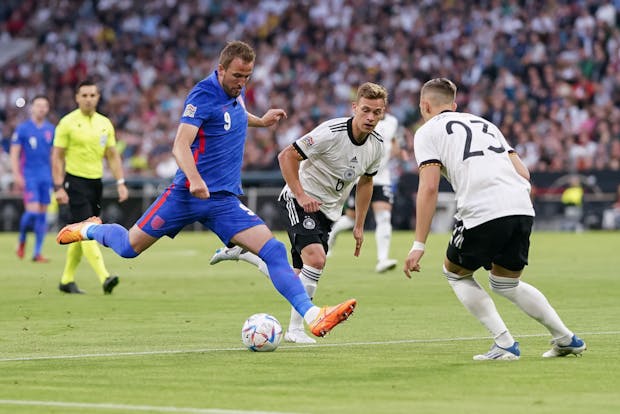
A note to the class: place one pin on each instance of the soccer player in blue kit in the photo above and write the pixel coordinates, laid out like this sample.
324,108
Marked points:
31,145
208,148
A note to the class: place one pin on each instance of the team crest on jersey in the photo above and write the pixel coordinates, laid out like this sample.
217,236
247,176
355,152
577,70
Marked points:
308,141
190,110
349,174
103,138
48,136
309,223
157,222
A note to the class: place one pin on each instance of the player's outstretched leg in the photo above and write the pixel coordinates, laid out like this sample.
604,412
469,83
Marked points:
236,253
76,232
113,236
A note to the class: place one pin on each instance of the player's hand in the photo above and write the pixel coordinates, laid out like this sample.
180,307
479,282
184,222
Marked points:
309,204
123,192
61,196
273,116
358,235
199,189
18,183
412,264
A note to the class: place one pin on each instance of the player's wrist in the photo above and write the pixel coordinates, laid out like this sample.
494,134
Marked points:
120,181
57,187
417,245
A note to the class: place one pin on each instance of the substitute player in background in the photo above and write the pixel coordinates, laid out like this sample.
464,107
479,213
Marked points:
83,138
209,148
381,202
31,147
320,169
493,220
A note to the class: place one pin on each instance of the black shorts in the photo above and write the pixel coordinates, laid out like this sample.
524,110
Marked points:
84,197
504,241
303,228
379,193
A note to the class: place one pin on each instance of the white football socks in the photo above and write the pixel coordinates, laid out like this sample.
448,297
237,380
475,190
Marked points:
383,233
531,301
253,259
478,302
309,277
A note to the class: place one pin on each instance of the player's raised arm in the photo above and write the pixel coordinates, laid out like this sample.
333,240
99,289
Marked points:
270,118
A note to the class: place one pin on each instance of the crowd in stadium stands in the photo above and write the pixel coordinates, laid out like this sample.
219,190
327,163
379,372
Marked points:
547,72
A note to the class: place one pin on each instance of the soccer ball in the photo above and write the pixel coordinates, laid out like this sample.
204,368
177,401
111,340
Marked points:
261,332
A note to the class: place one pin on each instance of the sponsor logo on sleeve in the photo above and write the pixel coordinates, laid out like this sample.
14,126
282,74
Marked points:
308,141
190,110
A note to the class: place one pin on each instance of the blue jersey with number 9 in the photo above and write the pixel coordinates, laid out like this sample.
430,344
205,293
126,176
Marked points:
222,123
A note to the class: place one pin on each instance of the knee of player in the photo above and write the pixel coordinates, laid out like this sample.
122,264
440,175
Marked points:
314,255
273,249
453,276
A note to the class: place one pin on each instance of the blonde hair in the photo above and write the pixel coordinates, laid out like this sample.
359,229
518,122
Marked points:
236,49
442,91
371,90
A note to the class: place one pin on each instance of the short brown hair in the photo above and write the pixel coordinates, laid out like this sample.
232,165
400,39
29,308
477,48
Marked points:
443,90
236,49
371,90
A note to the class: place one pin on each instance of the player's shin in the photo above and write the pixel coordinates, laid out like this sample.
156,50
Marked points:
113,236
309,277
283,278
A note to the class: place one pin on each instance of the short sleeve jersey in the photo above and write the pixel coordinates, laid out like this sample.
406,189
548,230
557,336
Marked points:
36,143
387,128
222,123
473,155
333,160
85,140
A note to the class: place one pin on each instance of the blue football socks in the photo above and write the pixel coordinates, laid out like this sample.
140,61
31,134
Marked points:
282,276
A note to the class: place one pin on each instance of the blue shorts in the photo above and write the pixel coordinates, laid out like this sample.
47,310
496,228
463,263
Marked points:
37,190
223,213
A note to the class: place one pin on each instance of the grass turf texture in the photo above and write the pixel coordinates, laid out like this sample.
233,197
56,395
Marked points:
168,339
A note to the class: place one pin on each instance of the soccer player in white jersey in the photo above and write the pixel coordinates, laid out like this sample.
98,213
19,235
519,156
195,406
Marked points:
493,220
320,168
381,201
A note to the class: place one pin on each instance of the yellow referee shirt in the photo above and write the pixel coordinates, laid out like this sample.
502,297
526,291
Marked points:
84,140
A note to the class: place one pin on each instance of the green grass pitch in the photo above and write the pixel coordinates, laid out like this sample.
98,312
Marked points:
168,339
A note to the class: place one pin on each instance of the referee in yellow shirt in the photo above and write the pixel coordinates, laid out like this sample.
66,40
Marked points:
81,141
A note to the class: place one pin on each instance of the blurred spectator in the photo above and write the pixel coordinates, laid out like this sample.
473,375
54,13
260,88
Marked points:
611,216
572,200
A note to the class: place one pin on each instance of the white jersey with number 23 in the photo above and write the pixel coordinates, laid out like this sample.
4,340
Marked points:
473,155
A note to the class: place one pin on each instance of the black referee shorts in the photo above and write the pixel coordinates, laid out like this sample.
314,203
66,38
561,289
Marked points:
84,197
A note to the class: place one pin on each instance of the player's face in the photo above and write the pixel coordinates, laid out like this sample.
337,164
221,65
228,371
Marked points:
39,109
87,98
366,114
235,77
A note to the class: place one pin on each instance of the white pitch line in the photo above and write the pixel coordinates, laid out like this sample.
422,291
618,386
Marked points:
126,407
342,344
